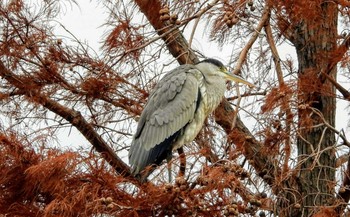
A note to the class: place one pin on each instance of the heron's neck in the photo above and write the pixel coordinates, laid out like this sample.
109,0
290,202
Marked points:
214,93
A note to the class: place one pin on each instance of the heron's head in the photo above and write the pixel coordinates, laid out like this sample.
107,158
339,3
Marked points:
213,67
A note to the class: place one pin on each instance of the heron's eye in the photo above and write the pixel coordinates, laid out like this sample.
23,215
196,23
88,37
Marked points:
223,69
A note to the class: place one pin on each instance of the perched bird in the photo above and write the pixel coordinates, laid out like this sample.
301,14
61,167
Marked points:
176,110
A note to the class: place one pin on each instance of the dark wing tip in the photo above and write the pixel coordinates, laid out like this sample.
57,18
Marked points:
140,158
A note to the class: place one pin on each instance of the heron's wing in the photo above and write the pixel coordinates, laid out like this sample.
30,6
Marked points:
170,107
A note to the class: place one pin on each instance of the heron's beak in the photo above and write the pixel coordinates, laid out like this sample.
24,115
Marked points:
236,78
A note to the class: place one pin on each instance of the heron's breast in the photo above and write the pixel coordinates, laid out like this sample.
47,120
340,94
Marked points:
192,128
210,99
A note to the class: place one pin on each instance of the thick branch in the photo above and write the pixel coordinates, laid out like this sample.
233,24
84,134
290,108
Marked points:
341,89
72,116
242,137
175,41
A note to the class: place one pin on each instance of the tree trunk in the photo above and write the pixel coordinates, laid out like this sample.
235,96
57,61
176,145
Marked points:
314,39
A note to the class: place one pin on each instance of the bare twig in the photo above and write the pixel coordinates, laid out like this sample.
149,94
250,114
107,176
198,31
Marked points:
256,33
285,104
198,16
239,98
263,93
340,134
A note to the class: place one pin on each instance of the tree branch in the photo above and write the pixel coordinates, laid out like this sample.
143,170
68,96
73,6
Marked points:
337,55
256,33
175,41
72,116
341,89
285,107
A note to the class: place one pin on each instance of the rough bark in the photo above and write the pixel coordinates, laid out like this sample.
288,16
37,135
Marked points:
315,39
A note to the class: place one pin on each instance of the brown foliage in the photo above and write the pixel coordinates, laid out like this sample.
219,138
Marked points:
48,182
326,212
278,97
297,10
125,37
15,160
96,87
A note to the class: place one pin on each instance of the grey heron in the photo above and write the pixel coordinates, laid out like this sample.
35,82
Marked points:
176,110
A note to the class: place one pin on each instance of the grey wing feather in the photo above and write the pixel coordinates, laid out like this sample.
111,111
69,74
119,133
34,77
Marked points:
170,107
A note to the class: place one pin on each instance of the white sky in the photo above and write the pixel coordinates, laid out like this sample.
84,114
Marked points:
84,22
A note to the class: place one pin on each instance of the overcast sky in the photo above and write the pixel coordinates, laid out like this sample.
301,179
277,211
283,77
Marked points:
84,22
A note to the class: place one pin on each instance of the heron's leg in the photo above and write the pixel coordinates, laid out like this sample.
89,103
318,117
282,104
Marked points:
168,160
145,173
169,170
182,162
